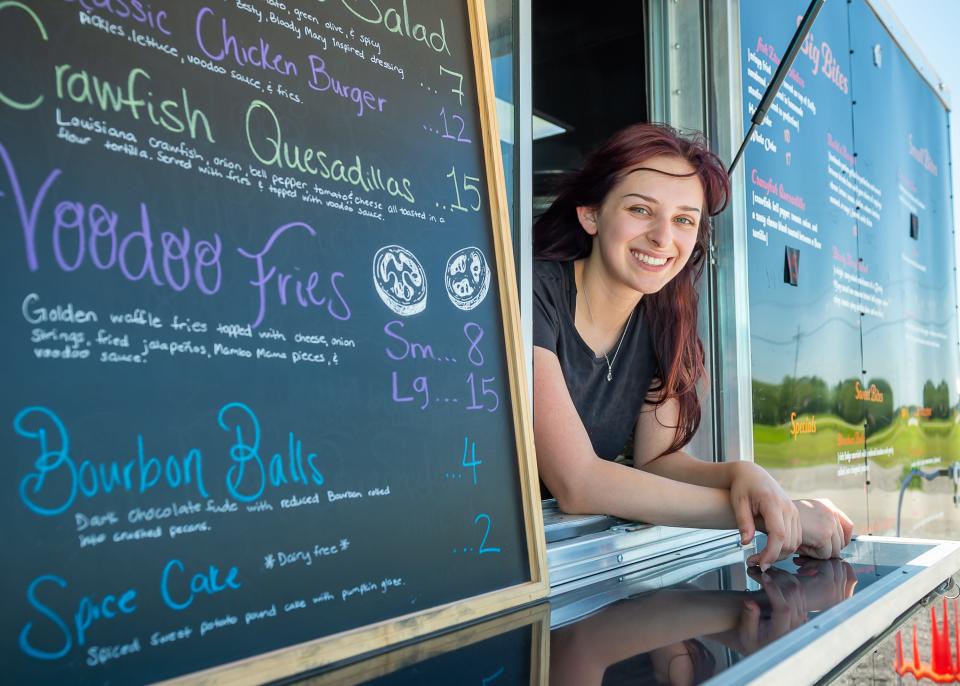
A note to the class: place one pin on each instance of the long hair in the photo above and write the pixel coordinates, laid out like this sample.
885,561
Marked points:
672,311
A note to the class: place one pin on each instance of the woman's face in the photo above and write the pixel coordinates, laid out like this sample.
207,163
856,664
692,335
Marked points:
646,228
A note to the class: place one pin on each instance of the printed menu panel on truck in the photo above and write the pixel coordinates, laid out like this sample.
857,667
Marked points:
907,243
805,281
262,403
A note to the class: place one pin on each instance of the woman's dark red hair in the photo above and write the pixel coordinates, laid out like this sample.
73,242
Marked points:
672,311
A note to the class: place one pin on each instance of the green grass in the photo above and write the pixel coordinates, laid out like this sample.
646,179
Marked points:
775,447
930,438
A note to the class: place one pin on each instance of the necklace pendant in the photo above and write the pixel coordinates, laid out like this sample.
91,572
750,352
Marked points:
609,375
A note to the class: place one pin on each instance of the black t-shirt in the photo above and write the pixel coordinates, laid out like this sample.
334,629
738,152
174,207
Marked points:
608,409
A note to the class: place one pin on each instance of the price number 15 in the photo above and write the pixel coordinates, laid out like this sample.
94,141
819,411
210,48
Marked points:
466,184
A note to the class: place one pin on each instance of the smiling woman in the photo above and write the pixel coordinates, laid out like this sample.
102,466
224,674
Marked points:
616,351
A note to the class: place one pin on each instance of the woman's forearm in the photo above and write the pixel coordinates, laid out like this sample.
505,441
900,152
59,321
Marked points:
609,488
681,466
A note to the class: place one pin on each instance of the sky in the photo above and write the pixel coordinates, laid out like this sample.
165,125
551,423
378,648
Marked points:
933,25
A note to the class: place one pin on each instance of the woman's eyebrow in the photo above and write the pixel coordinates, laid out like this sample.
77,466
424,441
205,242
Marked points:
688,208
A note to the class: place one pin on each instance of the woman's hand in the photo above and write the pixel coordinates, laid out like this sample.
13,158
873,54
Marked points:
757,498
786,609
826,530
825,582
788,599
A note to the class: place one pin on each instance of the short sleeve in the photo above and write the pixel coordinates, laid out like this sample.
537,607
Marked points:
546,323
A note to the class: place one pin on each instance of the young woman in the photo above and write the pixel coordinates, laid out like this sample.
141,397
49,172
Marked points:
616,352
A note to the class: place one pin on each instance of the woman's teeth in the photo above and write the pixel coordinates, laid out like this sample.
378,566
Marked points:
646,259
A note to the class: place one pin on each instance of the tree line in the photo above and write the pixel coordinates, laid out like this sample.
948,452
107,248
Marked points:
810,395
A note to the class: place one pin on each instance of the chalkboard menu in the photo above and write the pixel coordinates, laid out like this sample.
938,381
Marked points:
262,406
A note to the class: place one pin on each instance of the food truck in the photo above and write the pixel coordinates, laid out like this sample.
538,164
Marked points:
267,286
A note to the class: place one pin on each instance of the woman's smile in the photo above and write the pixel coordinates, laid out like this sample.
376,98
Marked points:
649,261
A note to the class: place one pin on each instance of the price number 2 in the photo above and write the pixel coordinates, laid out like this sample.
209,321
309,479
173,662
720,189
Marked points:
484,548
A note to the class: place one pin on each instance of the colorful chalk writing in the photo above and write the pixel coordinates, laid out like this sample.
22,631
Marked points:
223,375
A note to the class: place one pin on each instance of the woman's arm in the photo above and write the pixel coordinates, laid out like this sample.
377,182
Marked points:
584,483
655,430
753,493
814,527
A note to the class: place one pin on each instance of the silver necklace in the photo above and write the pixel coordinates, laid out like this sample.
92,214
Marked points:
622,335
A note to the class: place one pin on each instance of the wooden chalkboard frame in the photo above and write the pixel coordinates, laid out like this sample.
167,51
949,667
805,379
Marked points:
536,617
310,655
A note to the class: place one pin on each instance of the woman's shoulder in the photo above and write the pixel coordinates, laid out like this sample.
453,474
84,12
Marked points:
552,281
551,273
551,295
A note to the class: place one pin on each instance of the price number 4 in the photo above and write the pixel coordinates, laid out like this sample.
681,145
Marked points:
474,462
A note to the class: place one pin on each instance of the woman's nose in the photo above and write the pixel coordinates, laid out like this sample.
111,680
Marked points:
660,233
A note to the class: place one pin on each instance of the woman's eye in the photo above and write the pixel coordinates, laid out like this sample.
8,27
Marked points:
639,210
685,220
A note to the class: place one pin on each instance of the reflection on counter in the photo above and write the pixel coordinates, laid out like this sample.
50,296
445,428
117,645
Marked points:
507,651
683,622
690,632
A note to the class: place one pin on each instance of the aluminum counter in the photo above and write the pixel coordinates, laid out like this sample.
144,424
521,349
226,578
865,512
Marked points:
627,604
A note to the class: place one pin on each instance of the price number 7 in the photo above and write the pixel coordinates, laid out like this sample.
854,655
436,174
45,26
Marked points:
459,89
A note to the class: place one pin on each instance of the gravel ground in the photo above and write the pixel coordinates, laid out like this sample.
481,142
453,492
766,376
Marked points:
877,666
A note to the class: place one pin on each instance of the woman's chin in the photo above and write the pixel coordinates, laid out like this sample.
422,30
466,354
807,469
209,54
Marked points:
649,286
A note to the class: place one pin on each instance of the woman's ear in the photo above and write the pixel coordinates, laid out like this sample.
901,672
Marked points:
588,219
